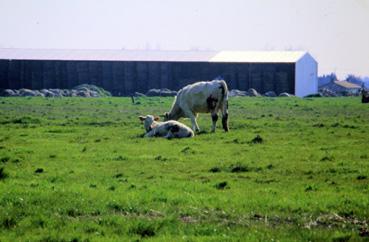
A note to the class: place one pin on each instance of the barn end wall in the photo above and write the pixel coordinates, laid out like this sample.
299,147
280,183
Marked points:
306,76
127,77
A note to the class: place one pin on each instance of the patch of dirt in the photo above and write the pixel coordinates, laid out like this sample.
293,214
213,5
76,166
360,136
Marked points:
333,220
188,219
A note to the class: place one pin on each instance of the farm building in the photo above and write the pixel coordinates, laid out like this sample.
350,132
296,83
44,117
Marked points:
342,87
123,72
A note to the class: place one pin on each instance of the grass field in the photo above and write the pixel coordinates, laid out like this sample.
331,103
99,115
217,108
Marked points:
290,169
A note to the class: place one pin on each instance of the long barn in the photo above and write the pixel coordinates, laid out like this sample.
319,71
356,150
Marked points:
123,72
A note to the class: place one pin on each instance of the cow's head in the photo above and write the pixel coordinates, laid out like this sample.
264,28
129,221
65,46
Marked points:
148,121
173,115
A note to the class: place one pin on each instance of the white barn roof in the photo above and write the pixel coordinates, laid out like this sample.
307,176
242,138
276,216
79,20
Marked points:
153,55
258,56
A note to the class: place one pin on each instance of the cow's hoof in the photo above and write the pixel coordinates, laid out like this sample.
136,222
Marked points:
201,132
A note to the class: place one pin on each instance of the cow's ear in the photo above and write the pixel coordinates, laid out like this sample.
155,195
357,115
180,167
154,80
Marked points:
157,118
142,118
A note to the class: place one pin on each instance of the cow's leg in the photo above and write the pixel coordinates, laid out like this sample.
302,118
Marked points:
225,115
195,126
214,118
189,114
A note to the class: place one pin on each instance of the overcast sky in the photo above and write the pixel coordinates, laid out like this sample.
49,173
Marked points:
335,32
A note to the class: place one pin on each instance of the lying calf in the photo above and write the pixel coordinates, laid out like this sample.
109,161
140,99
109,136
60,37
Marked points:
168,129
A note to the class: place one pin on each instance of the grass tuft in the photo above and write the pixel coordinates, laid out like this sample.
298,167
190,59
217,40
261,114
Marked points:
143,229
239,168
39,170
3,174
215,169
257,140
222,185
9,223
5,159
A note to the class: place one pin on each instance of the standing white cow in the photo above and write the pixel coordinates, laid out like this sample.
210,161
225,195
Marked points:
201,97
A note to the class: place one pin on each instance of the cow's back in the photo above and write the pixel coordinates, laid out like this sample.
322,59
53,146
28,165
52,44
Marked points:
196,96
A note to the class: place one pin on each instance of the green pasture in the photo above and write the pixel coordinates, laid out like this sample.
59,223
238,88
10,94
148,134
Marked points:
78,169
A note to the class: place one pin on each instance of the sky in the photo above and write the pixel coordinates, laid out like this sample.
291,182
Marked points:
334,32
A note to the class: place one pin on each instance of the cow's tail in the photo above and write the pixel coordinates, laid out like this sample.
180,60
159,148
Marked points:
224,90
224,103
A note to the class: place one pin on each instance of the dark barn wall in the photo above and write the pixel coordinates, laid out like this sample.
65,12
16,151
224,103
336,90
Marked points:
4,74
126,77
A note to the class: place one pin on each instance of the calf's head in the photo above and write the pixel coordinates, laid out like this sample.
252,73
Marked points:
148,121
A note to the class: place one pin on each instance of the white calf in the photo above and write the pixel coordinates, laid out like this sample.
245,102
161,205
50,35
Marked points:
168,129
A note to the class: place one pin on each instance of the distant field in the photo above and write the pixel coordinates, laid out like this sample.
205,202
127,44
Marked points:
290,169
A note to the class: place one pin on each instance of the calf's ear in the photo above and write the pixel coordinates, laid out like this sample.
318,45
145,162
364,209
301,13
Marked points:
142,118
157,118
